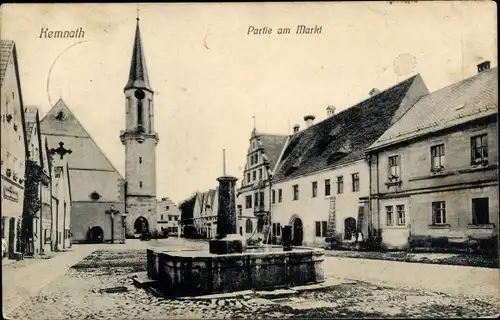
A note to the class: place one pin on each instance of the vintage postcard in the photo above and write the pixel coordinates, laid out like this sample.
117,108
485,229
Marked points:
249,160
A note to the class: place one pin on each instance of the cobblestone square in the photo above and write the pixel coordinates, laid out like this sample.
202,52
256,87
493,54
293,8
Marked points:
79,294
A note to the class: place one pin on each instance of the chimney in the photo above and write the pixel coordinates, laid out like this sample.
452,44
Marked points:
309,119
374,91
330,111
296,128
483,66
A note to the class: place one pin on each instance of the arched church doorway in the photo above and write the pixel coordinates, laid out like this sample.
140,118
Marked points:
141,225
349,228
297,231
95,235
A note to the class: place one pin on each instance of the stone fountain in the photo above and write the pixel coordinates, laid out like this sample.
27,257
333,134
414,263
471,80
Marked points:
229,265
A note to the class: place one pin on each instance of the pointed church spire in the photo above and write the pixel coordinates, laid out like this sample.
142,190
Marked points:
138,75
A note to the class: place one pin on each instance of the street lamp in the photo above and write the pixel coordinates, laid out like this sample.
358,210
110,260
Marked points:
111,211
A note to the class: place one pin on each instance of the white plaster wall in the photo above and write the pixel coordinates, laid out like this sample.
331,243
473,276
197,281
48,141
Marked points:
310,209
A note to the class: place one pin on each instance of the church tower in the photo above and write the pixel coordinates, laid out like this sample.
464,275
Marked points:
140,140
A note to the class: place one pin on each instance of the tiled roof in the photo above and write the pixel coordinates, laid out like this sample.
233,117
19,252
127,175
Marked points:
273,145
138,74
345,136
458,103
6,48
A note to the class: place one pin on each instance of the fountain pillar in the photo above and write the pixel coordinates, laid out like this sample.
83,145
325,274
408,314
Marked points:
228,240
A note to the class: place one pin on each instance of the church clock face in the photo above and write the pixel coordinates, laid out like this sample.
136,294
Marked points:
139,94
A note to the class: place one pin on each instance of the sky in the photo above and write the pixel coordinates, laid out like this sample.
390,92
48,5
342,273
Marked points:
211,77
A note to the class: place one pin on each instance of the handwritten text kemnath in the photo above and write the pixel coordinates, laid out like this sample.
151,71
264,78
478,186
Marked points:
300,29
77,33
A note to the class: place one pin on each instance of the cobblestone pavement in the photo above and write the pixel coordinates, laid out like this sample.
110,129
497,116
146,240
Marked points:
78,295
454,280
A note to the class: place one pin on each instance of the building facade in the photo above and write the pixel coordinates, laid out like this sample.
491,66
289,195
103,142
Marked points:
37,213
253,197
140,140
435,171
61,204
96,183
321,183
205,213
13,148
168,216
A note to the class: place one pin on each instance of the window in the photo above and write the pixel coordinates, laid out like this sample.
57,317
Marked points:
273,196
340,185
176,218
251,160
254,175
168,207
314,189
389,215
256,199
260,173
355,182
479,149
161,218
439,212
169,218
480,211
140,159
248,226
140,184
401,214
248,202
321,229
248,177
280,195
394,168
277,229
437,157
327,187
296,192
261,199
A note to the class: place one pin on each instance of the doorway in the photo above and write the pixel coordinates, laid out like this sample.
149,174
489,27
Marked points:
297,233
12,236
141,225
349,228
95,235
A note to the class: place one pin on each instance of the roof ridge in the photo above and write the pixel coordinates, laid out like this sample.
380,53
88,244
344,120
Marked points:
361,101
477,75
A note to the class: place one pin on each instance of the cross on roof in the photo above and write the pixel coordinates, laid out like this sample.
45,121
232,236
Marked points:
61,150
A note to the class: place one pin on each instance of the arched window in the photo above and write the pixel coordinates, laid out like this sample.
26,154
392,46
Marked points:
139,112
248,226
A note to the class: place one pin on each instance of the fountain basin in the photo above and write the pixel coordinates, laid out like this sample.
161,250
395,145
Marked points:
198,272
